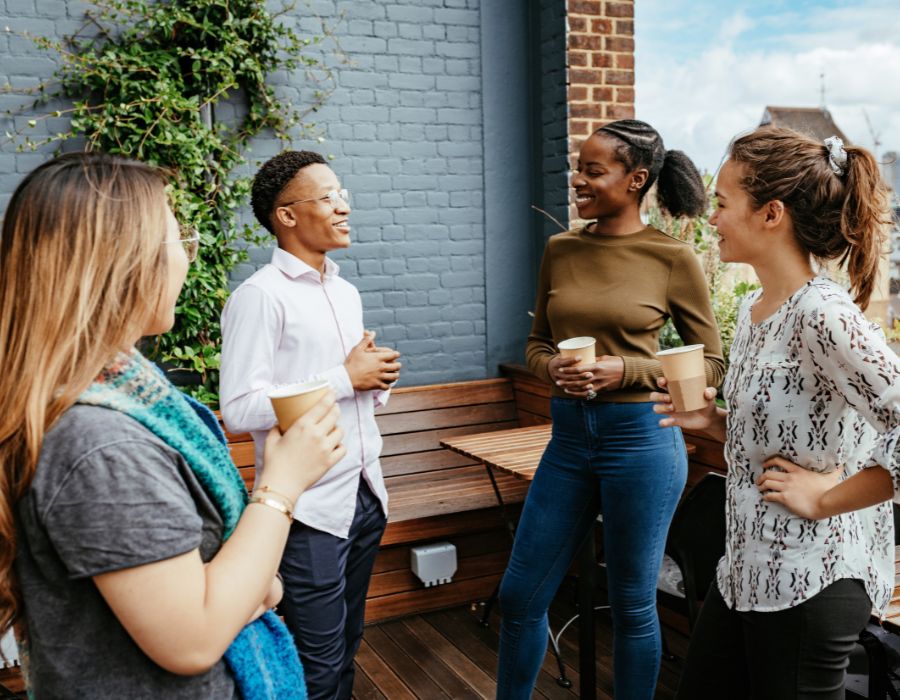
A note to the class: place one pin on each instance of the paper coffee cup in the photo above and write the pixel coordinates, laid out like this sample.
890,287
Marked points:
582,347
292,401
685,374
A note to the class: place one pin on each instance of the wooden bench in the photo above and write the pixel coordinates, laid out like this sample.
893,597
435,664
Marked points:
434,494
438,495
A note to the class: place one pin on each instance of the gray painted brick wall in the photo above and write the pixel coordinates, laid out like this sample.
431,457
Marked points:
404,128
554,113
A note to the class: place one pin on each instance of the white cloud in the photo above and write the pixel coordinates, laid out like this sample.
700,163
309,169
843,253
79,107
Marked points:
700,102
734,26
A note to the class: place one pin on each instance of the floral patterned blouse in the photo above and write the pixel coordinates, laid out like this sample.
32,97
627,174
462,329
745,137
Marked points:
817,384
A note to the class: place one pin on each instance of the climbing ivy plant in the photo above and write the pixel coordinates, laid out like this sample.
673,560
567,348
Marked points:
143,79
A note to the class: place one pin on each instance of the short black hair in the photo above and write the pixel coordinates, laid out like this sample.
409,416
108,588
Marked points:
273,177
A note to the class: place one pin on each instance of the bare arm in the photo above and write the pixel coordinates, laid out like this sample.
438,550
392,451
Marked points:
184,614
866,488
816,496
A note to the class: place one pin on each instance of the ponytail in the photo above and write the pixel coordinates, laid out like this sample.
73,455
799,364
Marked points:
839,211
680,191
863,222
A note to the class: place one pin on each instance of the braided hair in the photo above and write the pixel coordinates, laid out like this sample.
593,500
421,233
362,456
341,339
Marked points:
680,188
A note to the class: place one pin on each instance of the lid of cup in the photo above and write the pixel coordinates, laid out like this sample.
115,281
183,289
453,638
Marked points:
298,388
576,343
676,351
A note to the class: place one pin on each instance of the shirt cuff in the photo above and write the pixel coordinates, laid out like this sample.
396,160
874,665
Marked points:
340,381
887,456
380,397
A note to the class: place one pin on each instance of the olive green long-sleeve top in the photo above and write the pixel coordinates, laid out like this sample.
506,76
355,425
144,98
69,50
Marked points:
621,290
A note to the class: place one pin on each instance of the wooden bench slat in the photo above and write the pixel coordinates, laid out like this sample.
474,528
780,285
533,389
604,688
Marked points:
526,419
242,454
467,545
417,462
427,599
467,567
474,496
435,419
431,439
533,403
409,399
453,524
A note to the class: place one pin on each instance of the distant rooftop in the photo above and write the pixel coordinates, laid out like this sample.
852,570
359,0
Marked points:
815,121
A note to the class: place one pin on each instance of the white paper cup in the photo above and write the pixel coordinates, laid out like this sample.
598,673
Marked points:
685,373
292,401
583,347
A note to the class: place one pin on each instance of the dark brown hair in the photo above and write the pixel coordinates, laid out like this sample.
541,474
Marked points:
843,217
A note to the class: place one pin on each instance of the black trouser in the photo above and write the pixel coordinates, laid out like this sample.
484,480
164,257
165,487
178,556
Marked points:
797,653
325,583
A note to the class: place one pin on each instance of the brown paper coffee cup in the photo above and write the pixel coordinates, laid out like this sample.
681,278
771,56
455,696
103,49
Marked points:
291,402
685,374
583,347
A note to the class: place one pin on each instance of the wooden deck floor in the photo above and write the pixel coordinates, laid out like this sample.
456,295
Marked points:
448,654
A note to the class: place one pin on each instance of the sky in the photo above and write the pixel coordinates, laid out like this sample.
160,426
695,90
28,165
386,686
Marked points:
706,69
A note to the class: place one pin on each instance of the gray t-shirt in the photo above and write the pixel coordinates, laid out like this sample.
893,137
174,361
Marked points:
107,495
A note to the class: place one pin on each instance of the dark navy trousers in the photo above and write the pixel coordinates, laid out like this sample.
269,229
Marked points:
326,579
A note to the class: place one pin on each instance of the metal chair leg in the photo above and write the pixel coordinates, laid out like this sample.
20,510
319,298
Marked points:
666,652
489,606
563,680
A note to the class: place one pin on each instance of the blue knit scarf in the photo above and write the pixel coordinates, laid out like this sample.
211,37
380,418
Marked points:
263,658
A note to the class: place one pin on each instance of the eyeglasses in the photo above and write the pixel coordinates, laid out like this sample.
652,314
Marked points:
334,197
190,239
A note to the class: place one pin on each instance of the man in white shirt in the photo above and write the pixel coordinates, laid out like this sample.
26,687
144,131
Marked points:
295,320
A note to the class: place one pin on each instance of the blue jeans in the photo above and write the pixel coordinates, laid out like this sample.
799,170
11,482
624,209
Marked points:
609,458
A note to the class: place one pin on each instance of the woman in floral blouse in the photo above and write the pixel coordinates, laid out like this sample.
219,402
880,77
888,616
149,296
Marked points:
813,395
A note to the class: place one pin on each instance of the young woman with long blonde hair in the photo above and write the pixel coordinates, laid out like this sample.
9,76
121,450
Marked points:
129,556
812,390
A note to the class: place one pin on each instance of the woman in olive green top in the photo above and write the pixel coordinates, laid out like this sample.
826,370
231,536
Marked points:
618,281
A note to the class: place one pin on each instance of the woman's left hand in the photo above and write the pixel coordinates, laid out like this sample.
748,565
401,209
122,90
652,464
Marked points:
797,489
605,374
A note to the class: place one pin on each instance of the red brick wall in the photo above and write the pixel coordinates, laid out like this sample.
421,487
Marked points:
600,65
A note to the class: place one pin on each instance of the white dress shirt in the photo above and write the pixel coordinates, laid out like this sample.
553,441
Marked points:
817,384
286,324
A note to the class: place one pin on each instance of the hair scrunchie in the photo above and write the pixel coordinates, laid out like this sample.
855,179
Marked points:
837,156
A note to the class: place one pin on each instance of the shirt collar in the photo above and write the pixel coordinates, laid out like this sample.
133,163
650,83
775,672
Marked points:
294,267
